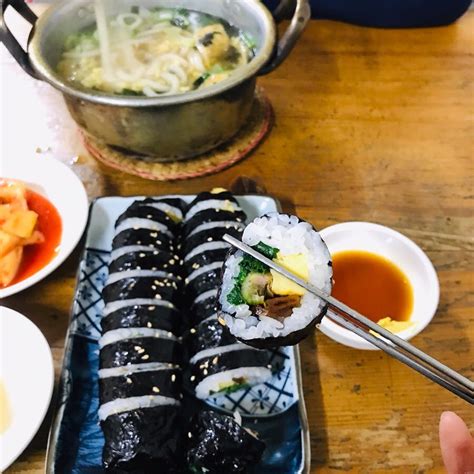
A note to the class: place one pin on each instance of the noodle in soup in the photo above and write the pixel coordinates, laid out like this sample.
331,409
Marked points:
153,52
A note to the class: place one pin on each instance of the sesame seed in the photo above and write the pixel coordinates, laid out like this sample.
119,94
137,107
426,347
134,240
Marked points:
210,239
192,331
215,360
129,380
154,234
151,308
173,378
171,262
153,287
190,435
205,372
149,216
157,297
154,269
196,266
135,227
141,351
137,348
139,242
192,378
142,255
156,389
145,357
149,325
156,252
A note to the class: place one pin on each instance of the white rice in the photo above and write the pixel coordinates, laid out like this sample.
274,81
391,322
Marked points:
207,247
139,223
150,302
123,334
290,236
114,277
217,225
128,249
200,271
215,351
216,204
121,405
135,368
252,375
172,211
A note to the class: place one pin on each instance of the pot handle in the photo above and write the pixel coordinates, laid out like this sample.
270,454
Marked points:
7,38
298,23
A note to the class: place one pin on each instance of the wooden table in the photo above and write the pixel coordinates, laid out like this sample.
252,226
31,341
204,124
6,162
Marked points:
372,125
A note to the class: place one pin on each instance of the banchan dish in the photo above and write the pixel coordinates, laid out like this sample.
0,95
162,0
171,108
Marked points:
175,126
274,409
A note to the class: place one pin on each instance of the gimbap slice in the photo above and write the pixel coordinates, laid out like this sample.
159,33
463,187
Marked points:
203,279
205,254
135,223
149,316
213,215
145,439
203,307
173,206
207,335
138,345
165,381
219,194
260,306
138,210
145,237
227,369
136,284
220,444
140,257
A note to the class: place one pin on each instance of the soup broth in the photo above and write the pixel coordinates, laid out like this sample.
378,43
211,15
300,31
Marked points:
152,52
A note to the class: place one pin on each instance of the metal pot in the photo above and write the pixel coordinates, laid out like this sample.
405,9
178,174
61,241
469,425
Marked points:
174,126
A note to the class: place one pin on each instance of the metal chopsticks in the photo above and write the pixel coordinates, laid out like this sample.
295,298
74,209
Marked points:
375,334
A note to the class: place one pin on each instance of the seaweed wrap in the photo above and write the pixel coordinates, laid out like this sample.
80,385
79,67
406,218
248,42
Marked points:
219,444
259,305
142,437
122,347
158,285
203,307
211,232
203,279
205,254
143,316
144,235
141,257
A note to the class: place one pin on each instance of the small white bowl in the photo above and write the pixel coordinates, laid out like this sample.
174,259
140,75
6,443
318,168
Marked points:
27,375
54,180
402,252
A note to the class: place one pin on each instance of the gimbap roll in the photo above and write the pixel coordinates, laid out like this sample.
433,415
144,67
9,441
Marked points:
219,444
141,436
260,306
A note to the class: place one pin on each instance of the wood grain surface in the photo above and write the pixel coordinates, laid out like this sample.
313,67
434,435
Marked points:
372,125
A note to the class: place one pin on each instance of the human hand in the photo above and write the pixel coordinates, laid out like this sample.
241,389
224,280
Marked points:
457,444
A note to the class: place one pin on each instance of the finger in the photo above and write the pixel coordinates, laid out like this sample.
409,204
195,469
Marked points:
457,444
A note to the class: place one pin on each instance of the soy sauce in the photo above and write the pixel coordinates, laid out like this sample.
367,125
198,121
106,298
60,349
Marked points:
372,285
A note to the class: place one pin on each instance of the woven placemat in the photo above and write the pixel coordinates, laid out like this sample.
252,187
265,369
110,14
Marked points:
252,134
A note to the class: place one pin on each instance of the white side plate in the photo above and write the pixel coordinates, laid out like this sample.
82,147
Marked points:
55,181
27,374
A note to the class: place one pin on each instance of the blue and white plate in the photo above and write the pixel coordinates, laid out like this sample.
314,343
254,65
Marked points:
274,409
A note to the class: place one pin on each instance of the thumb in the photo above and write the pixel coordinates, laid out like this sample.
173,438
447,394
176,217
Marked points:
457,444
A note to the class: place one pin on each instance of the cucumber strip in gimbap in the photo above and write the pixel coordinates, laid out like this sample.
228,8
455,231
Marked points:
218,444
140,257
136,223
143,440
141,350
144,236
153,287
259,305
227,369
158,317
165,382
142,211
